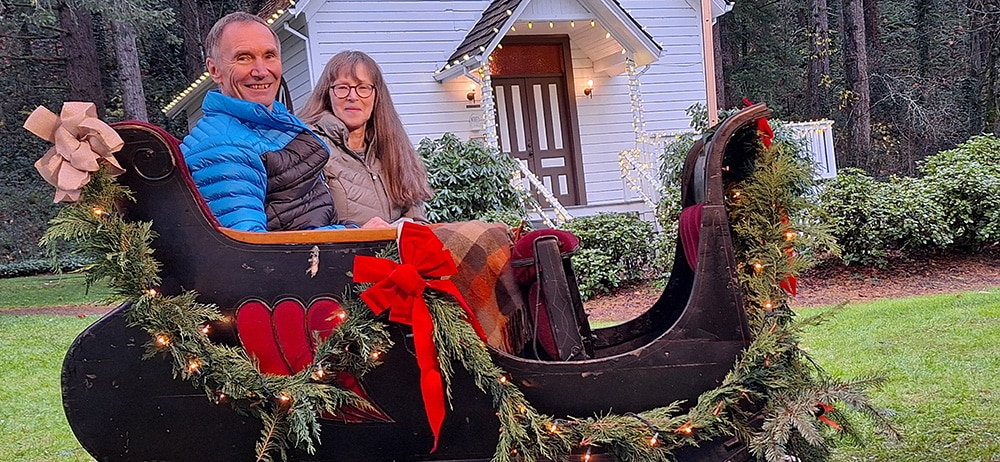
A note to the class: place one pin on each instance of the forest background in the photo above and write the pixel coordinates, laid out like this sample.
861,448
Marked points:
902,79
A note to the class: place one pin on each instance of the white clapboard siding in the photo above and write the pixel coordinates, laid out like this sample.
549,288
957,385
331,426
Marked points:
411,39
668,87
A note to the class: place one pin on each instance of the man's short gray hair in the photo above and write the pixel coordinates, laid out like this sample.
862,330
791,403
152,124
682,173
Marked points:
212,39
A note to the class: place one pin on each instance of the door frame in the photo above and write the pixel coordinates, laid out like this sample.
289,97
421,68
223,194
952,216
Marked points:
574,119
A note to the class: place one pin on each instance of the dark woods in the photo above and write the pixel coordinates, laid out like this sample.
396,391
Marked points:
901,78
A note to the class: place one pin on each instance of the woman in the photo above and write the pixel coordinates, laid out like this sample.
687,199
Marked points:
374,173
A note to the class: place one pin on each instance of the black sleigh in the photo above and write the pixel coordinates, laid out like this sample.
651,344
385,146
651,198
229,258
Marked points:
123,407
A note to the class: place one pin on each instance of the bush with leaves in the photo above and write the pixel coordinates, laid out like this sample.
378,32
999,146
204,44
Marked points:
35,266
872,218
596,273
468,180
966,182
623,239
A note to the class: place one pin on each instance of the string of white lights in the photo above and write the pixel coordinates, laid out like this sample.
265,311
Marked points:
491,142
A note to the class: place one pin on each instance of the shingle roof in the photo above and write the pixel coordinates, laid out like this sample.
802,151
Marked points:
501,13
486,29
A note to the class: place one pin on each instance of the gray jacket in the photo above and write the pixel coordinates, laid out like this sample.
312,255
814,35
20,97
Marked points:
356,179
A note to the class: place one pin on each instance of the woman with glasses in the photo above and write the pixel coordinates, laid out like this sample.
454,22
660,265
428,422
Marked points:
374,173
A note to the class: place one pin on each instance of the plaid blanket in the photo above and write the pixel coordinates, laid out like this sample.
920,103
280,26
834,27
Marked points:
485,278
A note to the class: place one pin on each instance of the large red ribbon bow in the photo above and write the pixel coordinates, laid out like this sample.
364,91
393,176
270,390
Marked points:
399,287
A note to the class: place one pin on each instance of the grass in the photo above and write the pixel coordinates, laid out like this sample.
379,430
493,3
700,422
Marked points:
939,353
941,356
49,290
33,426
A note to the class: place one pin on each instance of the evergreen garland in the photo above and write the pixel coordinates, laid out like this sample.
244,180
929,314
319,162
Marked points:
772,397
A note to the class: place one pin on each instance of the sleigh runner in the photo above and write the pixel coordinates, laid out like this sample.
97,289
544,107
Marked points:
123,407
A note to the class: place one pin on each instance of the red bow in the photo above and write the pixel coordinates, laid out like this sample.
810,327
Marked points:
766,133
400,289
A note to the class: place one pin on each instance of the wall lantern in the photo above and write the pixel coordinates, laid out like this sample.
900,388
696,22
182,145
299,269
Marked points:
589,89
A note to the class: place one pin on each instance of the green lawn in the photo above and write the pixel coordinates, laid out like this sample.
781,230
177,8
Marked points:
939,352
942,357
49,290
33,426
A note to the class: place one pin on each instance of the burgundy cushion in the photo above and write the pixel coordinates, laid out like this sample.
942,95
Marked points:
524,251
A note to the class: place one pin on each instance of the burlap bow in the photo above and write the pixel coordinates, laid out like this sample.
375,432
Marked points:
81,140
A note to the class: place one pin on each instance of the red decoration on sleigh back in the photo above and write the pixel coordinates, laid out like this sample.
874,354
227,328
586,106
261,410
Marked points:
283,340
766,133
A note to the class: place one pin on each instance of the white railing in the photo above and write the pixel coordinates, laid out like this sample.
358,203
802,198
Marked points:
817,136
640,165
528,180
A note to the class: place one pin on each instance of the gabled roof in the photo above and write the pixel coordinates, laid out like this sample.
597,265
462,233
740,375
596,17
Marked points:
501,15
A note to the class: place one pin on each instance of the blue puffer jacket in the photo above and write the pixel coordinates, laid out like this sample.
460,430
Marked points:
224,153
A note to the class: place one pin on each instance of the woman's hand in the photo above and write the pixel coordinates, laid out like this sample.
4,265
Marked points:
376,222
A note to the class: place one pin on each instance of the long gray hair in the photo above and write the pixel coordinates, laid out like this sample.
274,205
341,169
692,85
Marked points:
405,173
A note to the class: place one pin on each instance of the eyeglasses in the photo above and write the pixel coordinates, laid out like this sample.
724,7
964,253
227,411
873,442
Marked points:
364,90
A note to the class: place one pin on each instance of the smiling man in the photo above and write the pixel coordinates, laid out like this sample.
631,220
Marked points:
257,166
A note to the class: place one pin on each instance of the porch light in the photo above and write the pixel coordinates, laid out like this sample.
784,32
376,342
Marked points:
589,89
471,95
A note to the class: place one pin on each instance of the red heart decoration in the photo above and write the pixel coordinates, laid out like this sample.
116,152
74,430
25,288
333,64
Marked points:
283,340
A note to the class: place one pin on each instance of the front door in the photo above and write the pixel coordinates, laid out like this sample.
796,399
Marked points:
534,126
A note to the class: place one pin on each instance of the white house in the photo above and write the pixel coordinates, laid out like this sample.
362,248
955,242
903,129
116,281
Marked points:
563,85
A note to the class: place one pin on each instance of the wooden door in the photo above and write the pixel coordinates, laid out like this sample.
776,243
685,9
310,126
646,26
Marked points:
534,127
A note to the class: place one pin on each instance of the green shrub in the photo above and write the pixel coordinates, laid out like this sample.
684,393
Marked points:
623,238
596,272
33,266
871,218
668,208
966,182
468,180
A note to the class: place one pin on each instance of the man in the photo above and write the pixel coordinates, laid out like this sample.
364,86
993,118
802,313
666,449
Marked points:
257,166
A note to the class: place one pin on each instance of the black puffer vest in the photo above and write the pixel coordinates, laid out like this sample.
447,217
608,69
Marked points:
297,196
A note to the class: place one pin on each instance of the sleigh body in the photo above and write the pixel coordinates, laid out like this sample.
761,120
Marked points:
123,407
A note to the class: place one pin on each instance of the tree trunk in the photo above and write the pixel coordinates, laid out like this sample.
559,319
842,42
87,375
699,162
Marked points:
818,75
977,57
872,33
82,65
720,76
859,127
133,96
991,47
191,22
724,62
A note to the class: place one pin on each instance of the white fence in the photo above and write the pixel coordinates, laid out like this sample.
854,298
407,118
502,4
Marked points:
639,166
818,138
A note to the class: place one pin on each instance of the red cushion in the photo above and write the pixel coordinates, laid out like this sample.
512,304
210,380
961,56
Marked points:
524,251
